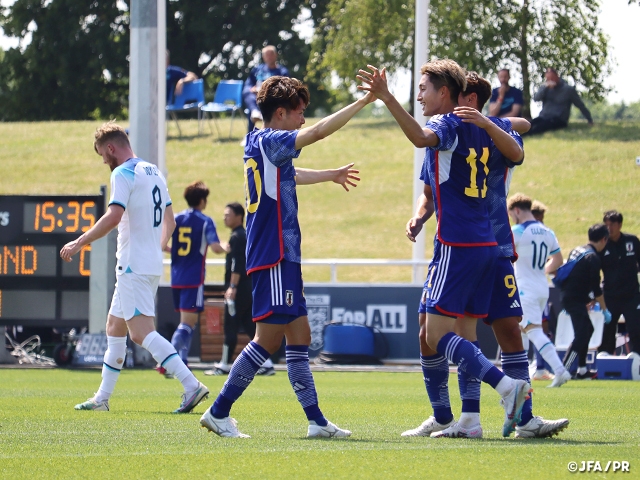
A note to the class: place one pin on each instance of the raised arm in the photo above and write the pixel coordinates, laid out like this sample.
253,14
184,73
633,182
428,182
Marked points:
345,176
375,82
502,140
332,123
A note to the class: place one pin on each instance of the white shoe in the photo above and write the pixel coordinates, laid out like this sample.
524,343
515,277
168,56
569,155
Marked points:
542,375
538,427
429,426
225,427
191,400
457,431
330,430
91,404
512,404
256,115
560,380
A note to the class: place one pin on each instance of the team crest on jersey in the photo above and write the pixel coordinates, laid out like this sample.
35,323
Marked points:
288,298
629,247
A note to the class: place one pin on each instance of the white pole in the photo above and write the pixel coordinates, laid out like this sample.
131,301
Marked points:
421,55
147,66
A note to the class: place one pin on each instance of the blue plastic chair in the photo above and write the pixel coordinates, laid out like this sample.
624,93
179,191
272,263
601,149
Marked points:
190,99
227,99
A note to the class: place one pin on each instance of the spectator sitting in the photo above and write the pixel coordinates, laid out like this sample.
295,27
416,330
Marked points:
259,74
506,101
176,78
556,97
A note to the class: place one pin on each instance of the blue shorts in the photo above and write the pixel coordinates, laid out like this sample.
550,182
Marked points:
505,298
459,281
188,299
278,293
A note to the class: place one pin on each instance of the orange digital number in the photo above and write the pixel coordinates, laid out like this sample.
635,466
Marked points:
36,221
73,217
85,272
88,216
48,217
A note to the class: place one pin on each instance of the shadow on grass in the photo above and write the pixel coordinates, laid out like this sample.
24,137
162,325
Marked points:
603,132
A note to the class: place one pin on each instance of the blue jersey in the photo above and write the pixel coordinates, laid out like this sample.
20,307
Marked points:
498,181
193,234
457,171
273,232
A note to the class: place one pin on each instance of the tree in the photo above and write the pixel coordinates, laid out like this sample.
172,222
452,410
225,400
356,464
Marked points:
483,35
75,66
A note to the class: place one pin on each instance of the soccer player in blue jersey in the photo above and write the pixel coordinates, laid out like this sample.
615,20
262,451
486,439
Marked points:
505,312
460,277
140,207
273,248
194,233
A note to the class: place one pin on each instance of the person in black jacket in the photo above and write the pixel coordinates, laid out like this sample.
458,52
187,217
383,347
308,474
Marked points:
581,288
238,295
620,259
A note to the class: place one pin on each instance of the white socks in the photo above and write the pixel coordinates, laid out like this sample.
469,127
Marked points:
113,363
505,386
165,354
546,349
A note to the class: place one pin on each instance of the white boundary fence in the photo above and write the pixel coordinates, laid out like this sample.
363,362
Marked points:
334,263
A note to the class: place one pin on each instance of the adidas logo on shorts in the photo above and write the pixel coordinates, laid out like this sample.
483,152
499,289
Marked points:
515,304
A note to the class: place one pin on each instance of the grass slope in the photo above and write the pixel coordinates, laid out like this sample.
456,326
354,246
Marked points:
41,436
578,173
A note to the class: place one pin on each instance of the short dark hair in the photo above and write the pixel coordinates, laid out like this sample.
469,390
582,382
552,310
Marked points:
236,208
277,92
195,193
446,73
597,232
478,85
612,216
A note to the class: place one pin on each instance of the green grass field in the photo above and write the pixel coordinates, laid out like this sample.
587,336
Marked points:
41,436
578,173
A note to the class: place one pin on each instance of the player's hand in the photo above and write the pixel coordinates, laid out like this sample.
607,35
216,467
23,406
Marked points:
471,115
230,294
374,81
69,250
346,176
607,316
413,228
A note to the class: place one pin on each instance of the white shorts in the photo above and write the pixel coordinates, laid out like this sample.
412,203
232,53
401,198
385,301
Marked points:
134,295
532,309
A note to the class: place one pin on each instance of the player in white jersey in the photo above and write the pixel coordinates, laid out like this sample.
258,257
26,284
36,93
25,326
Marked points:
140,207
538,254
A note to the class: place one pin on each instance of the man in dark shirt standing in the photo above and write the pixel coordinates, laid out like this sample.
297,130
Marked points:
582,287
620,259
238,295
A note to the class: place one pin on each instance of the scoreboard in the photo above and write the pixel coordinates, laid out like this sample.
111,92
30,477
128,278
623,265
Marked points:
38,288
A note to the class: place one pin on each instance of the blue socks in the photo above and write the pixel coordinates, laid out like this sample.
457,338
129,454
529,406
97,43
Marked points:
469,358
516,365
240,376
469,389
181,341
435,369
302,382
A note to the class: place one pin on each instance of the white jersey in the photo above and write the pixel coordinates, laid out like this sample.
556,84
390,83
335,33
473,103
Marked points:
534,244
140,188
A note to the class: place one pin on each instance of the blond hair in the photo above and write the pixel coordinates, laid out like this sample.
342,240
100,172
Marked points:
538,208
519,200
110,132
446,73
